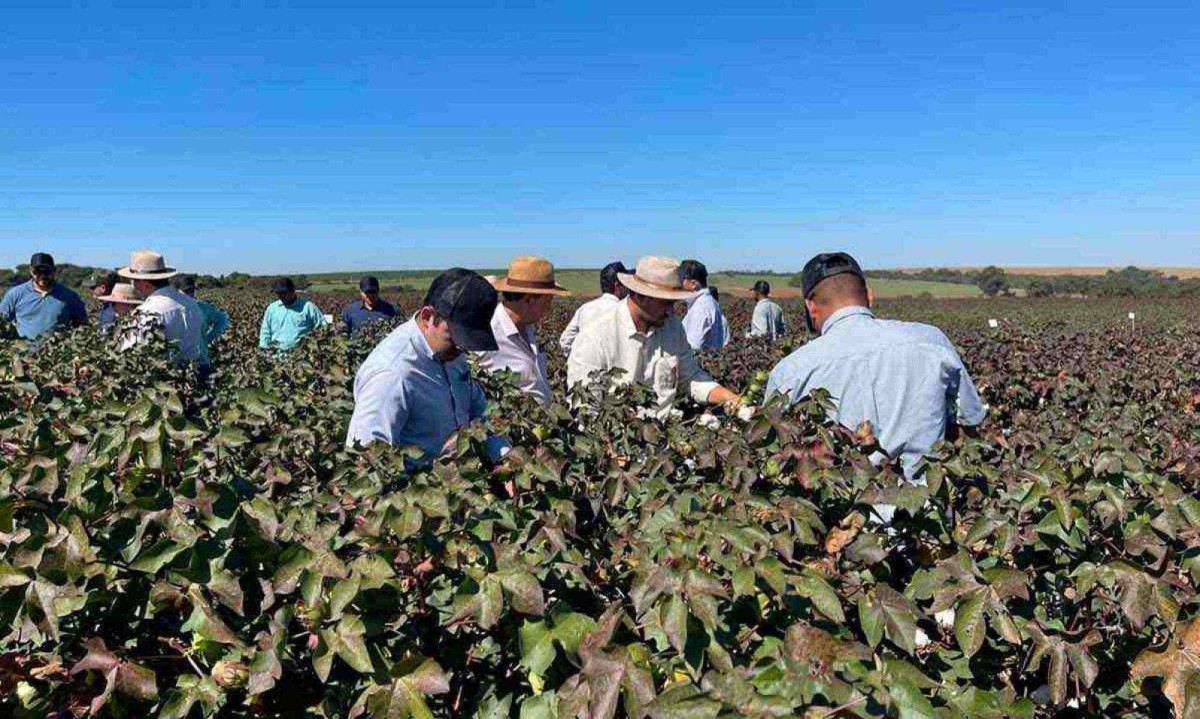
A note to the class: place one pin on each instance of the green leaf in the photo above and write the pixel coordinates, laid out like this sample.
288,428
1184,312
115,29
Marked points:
969,628
823,597
674,621
537,647
157,556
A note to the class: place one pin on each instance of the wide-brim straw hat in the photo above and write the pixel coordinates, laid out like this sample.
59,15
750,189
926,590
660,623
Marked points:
147,265
122,293
657,277
531,276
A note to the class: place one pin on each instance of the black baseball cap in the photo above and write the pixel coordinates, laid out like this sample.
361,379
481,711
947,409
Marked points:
467,302
762,287
368,284
184,283
826,265
41,261
283,284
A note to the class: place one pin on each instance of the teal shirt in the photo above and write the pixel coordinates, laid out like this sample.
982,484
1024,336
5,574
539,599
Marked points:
284,326
216,321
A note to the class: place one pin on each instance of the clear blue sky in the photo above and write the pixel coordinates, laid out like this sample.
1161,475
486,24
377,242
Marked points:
290,140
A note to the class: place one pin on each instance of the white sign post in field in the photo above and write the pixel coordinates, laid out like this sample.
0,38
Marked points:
1133,322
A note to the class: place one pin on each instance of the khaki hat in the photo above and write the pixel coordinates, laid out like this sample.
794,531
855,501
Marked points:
122,293
657,277
530,275
147,265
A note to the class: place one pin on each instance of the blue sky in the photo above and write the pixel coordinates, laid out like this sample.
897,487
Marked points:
751,136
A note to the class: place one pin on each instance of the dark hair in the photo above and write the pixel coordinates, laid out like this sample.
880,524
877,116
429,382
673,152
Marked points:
762,287
694,270
608,277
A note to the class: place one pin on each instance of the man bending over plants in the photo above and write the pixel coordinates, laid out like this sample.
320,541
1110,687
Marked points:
905,378
415,388
642,336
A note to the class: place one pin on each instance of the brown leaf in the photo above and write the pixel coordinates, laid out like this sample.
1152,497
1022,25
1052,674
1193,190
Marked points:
1178,665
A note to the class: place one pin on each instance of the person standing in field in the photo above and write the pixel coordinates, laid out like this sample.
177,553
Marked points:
122,299
611,292
704,324
368,308
526,294
642,336
42,304
767,320
179,316
728,330
101,284
415,388
289,319
905,378
216,320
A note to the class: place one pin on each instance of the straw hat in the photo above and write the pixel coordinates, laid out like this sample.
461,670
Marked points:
122,293
147,265
532,276
657,277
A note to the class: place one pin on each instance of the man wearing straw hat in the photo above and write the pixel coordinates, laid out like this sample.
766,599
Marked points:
181,319
611,292
526,293
121,299
42,304
642,336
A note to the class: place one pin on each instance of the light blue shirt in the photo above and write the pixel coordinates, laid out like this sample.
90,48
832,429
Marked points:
35,313
704,324
283,326
905,378
767,320
216,321
403,395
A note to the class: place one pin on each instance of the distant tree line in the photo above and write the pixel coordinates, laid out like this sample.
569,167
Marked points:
992,281
77,277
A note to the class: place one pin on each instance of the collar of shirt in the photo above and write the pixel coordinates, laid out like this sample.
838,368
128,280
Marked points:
842,314
625,318
420,344
508,327
703,292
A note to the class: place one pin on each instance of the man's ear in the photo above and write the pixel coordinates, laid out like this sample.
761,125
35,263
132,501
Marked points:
870,298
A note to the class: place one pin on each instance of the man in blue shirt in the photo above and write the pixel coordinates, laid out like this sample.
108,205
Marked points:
42,305
704,323
368,308
415,388
905,378
101,285
289,319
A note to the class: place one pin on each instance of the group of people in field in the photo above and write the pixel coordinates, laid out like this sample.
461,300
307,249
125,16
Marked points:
416,387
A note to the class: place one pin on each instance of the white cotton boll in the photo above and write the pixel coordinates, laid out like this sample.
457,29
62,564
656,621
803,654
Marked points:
708,421
945,619
922,639
745,413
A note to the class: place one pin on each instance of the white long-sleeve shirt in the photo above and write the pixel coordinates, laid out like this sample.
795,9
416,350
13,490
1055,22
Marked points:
660,359
182,321
585,312
518,351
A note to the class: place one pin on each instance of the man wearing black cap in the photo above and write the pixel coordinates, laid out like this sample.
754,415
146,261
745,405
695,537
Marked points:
42,304
101,284
611,292
289,318
767,320
905,378
368,308
415,388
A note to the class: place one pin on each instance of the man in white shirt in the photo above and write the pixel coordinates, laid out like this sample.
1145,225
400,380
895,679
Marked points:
767,320
704,324
181,318
526,293
642,336
611,292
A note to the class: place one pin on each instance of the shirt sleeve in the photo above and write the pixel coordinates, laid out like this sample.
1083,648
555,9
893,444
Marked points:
264,332
478,399
318,317
380,410
568,336
782,323
758,322
969,409
699,384
347,323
